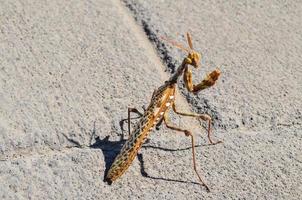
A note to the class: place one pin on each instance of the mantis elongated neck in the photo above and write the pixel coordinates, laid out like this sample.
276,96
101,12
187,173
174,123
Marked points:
178,72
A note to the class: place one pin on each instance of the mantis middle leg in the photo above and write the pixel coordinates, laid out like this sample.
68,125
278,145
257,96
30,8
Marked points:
204,117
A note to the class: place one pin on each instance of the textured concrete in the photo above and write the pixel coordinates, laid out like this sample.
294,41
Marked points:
257,46
69,70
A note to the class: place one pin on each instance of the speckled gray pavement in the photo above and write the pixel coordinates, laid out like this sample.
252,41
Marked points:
70,69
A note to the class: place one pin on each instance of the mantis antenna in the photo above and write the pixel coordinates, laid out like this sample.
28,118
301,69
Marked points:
189,38
176,44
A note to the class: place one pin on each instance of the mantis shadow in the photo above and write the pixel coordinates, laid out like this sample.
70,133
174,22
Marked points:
110,150
145,174
172,150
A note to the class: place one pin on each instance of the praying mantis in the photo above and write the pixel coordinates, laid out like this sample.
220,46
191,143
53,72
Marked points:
162,100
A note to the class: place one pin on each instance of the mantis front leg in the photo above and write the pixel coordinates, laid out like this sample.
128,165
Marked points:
205,83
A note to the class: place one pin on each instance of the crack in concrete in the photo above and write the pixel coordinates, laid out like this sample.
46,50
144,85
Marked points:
32,152
161,48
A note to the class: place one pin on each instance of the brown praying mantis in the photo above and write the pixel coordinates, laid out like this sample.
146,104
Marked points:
162,100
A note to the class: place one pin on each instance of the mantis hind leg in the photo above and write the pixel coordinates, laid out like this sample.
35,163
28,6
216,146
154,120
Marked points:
134,110
187,133
203,117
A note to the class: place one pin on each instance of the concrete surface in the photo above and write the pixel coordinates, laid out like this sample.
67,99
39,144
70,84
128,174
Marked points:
69,70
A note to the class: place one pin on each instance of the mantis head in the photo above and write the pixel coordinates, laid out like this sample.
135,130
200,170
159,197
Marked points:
193,57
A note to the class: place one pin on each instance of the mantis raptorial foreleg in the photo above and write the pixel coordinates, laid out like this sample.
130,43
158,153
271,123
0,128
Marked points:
187,133
205,83
204,117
